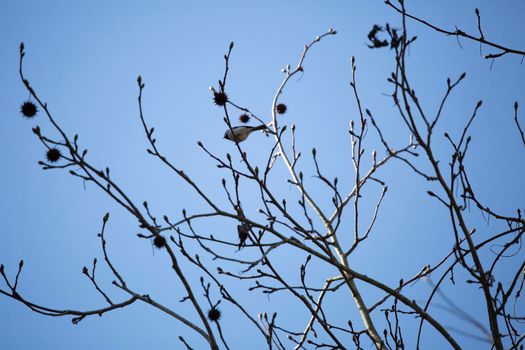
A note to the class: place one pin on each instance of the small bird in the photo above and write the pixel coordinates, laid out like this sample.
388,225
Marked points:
241,133
244,228
243,231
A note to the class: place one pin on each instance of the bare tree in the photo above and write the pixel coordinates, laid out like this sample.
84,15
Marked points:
310,230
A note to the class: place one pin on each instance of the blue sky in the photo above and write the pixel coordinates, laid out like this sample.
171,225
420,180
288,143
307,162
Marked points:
83,59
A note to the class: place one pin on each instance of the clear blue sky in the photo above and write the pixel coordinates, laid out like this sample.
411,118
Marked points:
83,58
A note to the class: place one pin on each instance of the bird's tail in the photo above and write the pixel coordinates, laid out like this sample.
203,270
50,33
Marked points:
259,127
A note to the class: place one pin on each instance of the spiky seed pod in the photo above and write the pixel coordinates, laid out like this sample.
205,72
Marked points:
53,155
281,108
214,314
244,118
220,98
28,109
159,241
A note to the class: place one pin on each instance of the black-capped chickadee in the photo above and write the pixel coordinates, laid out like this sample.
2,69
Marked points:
241,133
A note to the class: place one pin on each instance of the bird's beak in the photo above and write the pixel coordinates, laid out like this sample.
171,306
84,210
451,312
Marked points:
225,137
